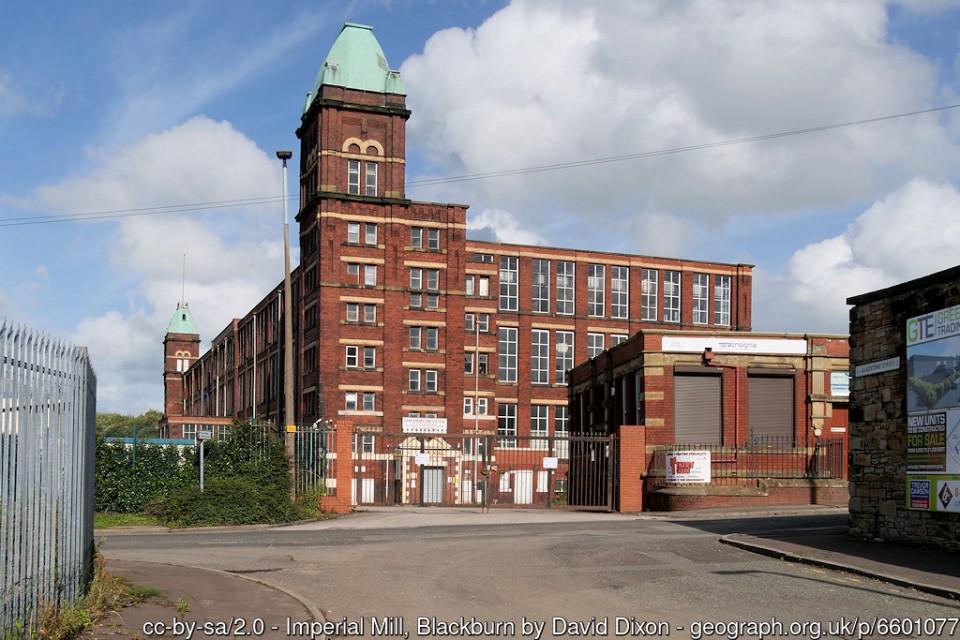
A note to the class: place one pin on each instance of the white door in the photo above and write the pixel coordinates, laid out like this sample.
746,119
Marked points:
523,487
432,485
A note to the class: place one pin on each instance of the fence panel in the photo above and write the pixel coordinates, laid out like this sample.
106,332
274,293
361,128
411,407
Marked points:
47,427
761,458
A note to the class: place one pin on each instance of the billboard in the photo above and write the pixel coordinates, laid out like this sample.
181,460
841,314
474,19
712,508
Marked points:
933,411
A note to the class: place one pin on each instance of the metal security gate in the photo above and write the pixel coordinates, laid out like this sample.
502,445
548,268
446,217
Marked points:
486,471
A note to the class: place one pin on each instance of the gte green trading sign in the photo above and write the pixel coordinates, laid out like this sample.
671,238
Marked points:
933,411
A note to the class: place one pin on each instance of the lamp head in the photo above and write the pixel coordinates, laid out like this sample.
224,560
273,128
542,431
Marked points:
284,155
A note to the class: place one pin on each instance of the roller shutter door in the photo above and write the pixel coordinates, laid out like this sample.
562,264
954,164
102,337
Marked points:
697,409
771,407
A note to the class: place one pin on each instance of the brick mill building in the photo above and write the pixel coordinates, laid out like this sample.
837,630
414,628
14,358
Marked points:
397,314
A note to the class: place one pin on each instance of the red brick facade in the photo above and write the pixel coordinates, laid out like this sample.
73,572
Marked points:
387,289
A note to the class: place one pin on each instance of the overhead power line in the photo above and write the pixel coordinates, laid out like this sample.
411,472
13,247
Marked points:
224,204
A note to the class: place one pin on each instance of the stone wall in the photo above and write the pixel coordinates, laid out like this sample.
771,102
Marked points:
878,415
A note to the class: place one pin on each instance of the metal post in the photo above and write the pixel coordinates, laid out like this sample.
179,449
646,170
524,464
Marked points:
201,466
476,405
288,382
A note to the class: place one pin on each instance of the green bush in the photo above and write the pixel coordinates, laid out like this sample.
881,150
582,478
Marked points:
125,485
232,500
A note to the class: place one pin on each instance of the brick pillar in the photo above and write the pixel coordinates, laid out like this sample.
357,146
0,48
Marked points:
342,502
631,466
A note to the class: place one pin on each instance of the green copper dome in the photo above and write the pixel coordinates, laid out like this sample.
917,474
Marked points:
182,322
356,61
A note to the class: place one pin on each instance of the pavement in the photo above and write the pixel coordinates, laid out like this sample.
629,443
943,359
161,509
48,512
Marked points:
194,596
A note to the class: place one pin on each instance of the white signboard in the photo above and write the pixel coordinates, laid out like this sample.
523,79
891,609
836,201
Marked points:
424,425
695,344
688,466
550,463
880,366
204,435
840,384
422,459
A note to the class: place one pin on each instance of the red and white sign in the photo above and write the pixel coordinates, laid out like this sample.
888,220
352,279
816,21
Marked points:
688,467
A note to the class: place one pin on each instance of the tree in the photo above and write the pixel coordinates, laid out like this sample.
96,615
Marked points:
115,425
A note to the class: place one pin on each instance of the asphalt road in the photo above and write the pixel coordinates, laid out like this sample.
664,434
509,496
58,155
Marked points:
572,577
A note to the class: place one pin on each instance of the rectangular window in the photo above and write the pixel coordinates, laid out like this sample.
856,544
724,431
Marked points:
468,406
539,356
508,283
649,295
468,363
617,338
353,177
507,425
433,279
483,322
416,300
416,279
596,275
353,312
433,239
413,381
416,338
433,301
350,401
539,415
430,380
353,273
371,183
483,286
561,429
353,356
484,358
721,300
564,358
369,357
481,406
468,323
369,401
370,275
370,233
620,292
507,350
541,286
594,344
353,232
701,298
671,296
416,237
368,442
433,338
565,287
370,313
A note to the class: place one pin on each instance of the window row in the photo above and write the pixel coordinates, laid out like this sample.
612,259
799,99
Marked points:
358,357
370,170
617,305
365,233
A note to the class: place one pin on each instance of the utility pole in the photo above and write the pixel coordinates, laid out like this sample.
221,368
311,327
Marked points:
290,431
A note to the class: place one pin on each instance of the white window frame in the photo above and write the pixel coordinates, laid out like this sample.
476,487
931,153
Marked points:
507,425
594,344
564,354
701,298
369,401
433,239
353,233
596,290
353,177
432,342
672,282
618,338
566,287
539,356
648,296
353,312
539,424
369,357
350,401
416,338
370,275
431,380
413,380
509,282
507,354
416,279
370,233
370,314
352,356
541,286
619,292
370,179
721,300
416,237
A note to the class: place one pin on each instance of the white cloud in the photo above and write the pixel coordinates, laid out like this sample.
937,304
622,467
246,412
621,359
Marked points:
234,253
912,232
573,80
11,101
503,226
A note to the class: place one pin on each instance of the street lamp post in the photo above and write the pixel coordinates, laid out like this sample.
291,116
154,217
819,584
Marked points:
288,417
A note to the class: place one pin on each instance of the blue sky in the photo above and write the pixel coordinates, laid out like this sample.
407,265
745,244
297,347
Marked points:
155,110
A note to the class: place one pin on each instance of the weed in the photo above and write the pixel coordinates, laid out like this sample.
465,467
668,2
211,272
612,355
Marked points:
182,605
